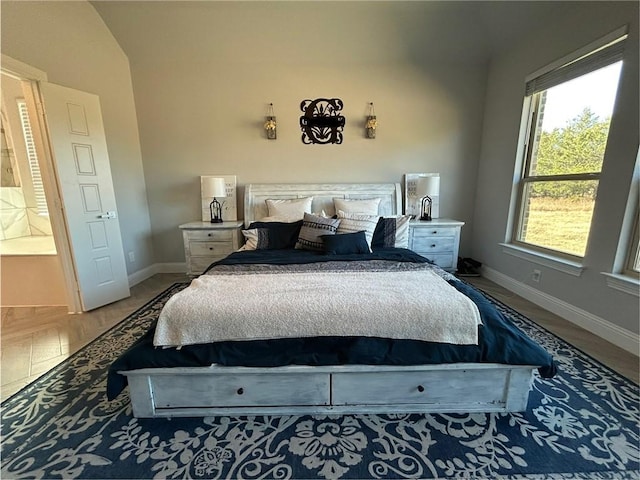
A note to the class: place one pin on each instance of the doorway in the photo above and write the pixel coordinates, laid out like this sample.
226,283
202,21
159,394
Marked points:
32,272
25,228
70,143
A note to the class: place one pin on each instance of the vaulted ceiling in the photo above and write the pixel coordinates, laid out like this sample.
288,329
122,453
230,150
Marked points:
466,31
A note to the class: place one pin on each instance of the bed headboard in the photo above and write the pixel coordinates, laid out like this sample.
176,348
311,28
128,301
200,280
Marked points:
323,194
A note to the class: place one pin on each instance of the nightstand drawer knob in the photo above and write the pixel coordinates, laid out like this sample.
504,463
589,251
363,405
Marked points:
434,232
210,248
209,235
420,388
240,391
433,245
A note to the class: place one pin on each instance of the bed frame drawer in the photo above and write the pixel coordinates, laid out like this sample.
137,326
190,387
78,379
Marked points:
340,389
429,387
249,390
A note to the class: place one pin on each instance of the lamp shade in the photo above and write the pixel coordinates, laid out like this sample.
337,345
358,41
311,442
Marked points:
213,187
428,186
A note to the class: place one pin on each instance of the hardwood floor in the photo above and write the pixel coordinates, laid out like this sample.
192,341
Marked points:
35,339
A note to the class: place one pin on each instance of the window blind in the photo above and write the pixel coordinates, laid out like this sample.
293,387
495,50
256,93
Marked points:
36,177
602,57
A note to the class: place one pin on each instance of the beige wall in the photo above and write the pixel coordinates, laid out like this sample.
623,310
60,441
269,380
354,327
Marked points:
70,42
204,72
589,292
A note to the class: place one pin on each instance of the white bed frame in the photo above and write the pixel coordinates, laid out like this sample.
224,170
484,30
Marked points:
345,389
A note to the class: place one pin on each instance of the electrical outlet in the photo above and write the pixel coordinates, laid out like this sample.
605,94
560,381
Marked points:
132,257
535,276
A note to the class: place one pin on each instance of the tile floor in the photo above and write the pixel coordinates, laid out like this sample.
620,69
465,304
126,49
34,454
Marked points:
35,339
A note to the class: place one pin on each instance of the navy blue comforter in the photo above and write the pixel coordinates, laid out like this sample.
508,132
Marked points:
500,341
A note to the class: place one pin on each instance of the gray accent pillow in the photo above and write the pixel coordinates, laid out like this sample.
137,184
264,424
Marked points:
313,227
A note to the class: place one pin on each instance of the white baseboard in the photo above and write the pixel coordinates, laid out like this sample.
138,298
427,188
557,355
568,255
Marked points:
611,332
148,272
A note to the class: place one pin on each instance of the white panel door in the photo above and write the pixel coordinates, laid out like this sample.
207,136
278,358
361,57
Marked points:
76,131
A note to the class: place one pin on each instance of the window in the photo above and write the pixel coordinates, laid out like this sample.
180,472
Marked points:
569,109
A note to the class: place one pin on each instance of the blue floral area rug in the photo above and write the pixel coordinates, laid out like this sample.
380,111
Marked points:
581,424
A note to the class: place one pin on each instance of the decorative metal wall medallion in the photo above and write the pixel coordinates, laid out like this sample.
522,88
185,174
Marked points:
322,122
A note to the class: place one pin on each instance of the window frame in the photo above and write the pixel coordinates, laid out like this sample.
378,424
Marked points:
598,54
632,254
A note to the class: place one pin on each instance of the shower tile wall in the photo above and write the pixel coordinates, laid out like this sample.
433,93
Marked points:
14,219
38,224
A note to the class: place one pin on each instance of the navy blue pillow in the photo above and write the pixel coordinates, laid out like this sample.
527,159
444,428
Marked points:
345,243
384,229
278,235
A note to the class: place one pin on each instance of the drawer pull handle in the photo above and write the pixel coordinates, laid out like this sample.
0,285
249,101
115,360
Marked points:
209,234
240,391
420,388
433,245
210,248
434,232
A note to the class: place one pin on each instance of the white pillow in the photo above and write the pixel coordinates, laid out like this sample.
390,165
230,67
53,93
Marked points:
367,206
281,218
250,240
353,222
293,208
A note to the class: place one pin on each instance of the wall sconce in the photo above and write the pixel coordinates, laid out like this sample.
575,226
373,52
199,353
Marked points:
428,188
372,123
270,124
213,187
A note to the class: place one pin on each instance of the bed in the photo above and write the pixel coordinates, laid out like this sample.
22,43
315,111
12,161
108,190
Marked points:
483,365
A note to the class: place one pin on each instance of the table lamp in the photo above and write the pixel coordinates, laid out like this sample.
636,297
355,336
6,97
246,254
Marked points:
427,188
213,187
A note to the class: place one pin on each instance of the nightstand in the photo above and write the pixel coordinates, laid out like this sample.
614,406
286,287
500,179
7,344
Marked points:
437,240
206,242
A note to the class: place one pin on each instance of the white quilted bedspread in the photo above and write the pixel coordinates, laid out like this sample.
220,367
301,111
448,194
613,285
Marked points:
416,305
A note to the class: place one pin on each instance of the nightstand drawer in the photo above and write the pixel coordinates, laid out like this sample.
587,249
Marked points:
432,244
210,248
435,232
443,260
211,235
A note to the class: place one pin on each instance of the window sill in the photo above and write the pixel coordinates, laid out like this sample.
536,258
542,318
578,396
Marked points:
556,263
623,283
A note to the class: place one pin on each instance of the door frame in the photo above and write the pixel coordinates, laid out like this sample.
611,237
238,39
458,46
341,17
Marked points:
30,78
